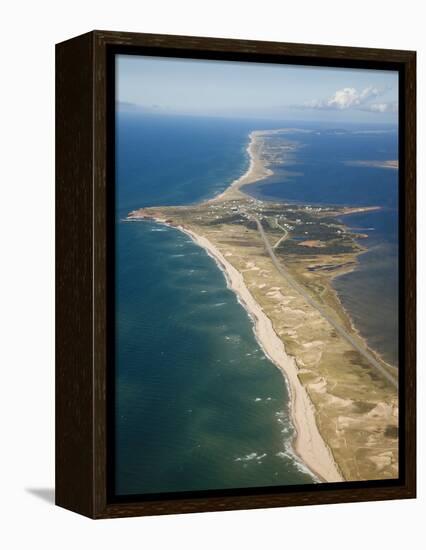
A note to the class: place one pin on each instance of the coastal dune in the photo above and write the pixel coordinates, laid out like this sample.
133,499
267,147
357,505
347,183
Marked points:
308,443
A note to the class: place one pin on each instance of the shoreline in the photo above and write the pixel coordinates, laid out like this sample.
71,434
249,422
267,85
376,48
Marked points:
354,328
256,171
357,330
308,444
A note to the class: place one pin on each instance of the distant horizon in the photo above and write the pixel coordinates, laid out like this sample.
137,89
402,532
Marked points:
133,108
230,89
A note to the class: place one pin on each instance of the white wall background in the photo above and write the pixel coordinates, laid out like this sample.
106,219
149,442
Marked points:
29,30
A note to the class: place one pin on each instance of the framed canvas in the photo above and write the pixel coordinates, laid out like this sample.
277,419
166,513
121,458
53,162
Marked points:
235,280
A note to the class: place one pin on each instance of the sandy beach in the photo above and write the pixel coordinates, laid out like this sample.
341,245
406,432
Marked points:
256,171
308,444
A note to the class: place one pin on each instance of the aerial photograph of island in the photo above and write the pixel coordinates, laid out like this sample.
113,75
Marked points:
256,275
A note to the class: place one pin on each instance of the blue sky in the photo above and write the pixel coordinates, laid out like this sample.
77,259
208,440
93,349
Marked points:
254,90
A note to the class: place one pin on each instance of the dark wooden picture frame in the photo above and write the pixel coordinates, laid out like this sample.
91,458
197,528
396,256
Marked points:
84,264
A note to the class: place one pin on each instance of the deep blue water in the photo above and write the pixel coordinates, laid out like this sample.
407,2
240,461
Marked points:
198,404
318,172
171,161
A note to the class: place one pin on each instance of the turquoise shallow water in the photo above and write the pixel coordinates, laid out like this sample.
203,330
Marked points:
199,406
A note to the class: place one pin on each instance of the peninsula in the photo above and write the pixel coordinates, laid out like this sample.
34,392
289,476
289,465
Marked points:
280,260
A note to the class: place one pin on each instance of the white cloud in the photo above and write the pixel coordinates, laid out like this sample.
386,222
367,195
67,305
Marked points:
351,98
391,107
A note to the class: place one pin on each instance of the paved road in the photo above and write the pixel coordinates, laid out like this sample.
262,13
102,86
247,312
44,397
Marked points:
299,288
280,240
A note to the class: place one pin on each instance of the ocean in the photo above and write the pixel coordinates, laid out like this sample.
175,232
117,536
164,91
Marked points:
198,405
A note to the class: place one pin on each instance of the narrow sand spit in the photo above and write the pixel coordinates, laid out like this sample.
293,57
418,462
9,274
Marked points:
255,172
